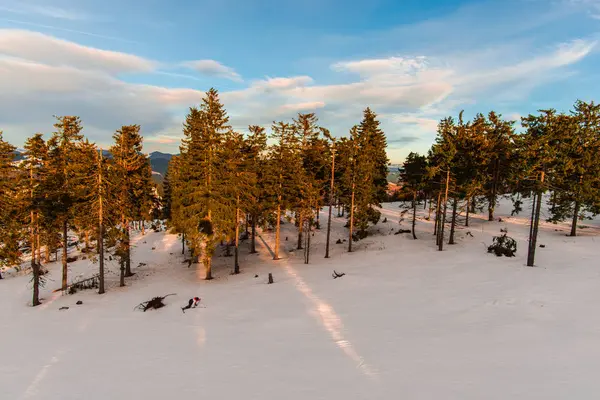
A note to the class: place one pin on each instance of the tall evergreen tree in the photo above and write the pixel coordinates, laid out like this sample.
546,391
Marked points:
255,147
33,176
130,167
64,150
204,205
281,174
499,136
576,174
412,178
9,226
538,156
370,183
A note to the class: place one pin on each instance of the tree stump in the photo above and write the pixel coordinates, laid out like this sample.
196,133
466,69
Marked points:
270,278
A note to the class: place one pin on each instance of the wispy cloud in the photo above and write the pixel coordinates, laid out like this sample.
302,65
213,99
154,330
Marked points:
213,68
49,50
45,11
58,28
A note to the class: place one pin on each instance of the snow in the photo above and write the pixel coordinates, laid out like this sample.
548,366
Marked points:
405,321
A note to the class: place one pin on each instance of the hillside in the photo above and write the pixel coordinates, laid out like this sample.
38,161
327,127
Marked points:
461,324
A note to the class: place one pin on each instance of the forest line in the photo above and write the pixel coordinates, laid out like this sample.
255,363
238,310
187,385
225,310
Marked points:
223,180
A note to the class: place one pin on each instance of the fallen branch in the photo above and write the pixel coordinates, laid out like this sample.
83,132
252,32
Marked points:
155,303
336,275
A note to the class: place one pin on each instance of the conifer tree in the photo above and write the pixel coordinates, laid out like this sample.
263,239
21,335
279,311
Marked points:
130,167
370,183
538,155
33,176
64,154
499,136
281,174
311,177
9,226
576,174
166,198
255,147
413,175
331,192
204,207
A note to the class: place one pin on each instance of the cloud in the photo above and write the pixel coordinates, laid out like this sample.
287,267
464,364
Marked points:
401,141
310,106
58,28
49,50
214,68
45,11
371,67
271,84
41,76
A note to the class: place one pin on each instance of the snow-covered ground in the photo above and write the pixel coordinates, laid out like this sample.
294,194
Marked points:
405,321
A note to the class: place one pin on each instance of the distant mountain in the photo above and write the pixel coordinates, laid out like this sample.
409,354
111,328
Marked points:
160,155
158,160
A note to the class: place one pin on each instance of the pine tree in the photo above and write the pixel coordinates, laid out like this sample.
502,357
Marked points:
499,136
64,155
34,173
255,147
412,178
538,155
166,197
204,206
131,168
575,177
10,229
282,166
331,192
370,183
312,176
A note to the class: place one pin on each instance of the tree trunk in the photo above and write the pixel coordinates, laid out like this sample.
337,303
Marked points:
207,264
277,238
331,190
351,221
143,225
425,202
492,199
38,245
328,229
253,237
467,206
122,275
575,219
64,256
414,219
236,265
443,219
535,226
87,239
100,241
307,245
473,201
300,226
453,224
128,272
183,243
436,226
246,224
35,267
101,253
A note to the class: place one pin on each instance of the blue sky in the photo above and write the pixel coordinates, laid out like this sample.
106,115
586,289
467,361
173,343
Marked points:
413,61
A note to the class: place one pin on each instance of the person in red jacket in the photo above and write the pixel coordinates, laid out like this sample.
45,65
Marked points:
192,303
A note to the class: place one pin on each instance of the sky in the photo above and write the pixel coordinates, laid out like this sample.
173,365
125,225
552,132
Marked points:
116,62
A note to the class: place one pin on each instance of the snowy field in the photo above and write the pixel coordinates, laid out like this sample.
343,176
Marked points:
405,322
